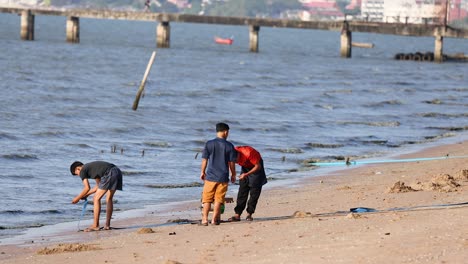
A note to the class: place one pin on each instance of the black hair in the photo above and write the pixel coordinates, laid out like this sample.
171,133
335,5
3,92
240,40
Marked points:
222,127
74,165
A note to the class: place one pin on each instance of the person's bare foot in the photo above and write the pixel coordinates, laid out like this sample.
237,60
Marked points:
216,222
92,229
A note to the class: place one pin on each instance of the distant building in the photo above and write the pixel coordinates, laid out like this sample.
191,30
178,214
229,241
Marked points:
406,11
19,2
327,9
180,3
458,10
372,10
355,4
414,11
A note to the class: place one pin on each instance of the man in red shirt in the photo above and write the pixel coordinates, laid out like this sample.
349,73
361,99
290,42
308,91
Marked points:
251,180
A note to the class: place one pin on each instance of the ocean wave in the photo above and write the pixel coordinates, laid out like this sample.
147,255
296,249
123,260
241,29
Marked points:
321,145
376,124
426,140
442,115
131,173
437,137
22,212
384,103
310,162
174,186
122,130
20,156
158,144
440,102
368,141
345,91
4,135
325,106
444,90
402,83
198,141
49,134
18,177
11,212
462,128
287,150
21,226
434,101
80,145
247,129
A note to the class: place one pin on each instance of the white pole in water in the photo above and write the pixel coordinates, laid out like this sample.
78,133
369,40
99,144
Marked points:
143,82
351,162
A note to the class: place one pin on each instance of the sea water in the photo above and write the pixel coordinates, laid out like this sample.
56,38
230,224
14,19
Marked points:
295,101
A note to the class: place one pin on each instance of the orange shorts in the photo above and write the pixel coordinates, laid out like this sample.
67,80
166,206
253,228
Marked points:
214,192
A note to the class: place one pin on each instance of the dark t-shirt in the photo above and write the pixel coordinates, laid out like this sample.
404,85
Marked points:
218,152
95,169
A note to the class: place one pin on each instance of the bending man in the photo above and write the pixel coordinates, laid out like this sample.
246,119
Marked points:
251,180
108,179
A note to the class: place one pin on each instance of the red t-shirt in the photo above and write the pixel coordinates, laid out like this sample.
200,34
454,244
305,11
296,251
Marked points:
247,156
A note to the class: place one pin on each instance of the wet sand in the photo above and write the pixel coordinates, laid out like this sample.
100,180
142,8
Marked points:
419,216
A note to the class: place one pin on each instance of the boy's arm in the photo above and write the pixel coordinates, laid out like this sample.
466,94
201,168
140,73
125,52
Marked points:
232,167
203,169
94,189
83,192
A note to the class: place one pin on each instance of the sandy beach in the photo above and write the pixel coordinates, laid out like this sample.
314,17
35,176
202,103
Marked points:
420,217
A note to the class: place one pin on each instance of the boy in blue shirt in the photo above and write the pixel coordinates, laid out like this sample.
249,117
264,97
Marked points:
218,158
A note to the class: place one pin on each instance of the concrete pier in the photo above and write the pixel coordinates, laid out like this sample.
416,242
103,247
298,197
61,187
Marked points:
27,25
163,29
253,37
73,29
346,41
163,35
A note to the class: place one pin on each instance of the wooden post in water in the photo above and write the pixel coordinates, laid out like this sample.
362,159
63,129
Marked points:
253,36
73,29
27,25
143,82
438,49
163,35
346,42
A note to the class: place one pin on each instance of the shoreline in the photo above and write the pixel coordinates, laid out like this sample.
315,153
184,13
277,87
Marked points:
55,232
313,207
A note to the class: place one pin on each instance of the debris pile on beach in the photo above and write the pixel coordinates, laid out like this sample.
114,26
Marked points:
61,248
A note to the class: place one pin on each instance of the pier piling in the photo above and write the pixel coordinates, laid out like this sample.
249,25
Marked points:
73,29
438,49
253,37
163,35
27,25
346,42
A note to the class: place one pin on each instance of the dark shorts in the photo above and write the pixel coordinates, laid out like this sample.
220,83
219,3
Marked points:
112,180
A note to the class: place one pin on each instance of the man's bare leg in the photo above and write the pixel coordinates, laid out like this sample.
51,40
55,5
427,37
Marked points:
216,213
109,208
97,209
206,211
